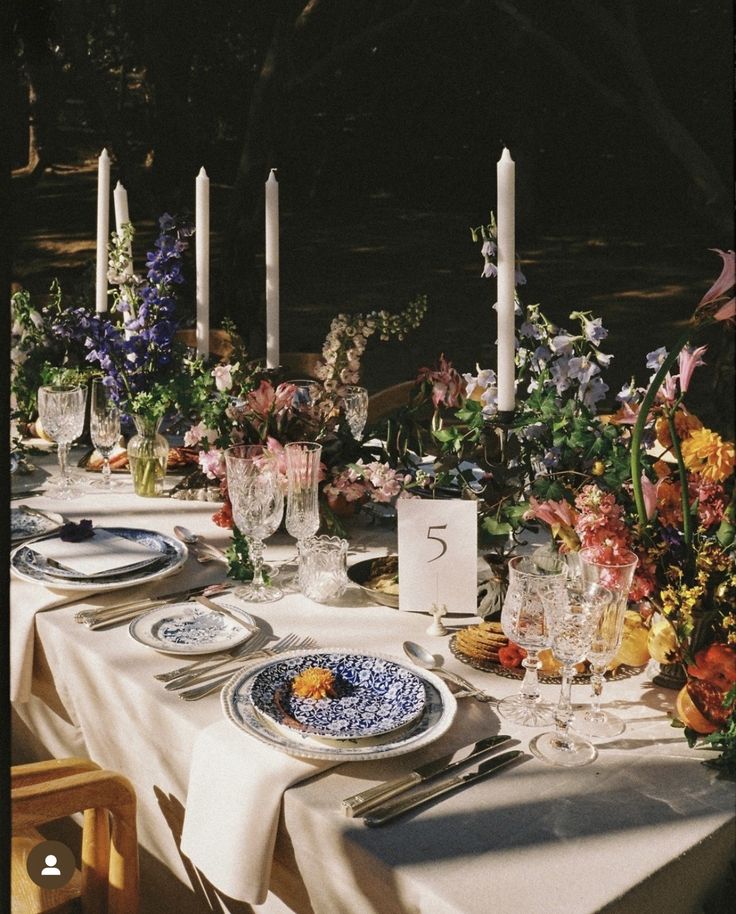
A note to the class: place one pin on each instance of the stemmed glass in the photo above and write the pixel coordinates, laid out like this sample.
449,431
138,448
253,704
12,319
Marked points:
302,472
606,639
61,411
533,583
572,618
258,505
104,427
355,404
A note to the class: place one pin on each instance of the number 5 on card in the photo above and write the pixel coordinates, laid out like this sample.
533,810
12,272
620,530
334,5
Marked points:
438,548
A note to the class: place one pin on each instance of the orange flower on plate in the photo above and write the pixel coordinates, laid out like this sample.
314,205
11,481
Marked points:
706,453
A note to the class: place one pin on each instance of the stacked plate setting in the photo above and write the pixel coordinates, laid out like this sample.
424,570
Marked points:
46,561
383,708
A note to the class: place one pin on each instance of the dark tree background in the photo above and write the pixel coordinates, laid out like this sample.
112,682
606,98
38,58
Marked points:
385,119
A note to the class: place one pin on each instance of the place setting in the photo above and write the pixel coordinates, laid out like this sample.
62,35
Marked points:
100,558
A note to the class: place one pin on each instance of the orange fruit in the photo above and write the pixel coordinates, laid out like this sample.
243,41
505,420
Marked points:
689,714
716,664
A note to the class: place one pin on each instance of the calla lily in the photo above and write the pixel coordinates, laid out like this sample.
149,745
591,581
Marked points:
720,288
689,360
649,490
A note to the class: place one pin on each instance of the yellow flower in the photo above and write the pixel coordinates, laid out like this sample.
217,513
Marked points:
598,468
706,453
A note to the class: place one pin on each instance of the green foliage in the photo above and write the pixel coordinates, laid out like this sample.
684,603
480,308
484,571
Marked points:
239,566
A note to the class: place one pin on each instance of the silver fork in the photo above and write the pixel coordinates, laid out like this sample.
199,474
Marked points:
285,643
290,642
254,644
212,659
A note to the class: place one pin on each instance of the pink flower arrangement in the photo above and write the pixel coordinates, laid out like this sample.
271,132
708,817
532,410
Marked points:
447,385
266,400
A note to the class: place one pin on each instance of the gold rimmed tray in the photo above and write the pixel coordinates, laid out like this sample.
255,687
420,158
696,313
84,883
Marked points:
489,666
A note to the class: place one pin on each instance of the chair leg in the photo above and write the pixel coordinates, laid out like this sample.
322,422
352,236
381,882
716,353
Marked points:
95,860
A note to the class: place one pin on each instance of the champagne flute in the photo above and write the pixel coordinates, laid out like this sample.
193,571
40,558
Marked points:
532,584
254,488
302,470
607,638
61,411
572,618
355,404
104,426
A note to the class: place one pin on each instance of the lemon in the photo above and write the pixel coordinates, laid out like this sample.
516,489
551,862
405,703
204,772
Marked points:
662,641
40,433
633,650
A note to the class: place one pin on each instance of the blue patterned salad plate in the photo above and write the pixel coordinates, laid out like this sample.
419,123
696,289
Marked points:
373,695
189,628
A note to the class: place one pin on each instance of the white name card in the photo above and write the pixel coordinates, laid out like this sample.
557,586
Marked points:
438,549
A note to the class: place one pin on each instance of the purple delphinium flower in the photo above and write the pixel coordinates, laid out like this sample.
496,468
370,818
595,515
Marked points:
594,330
582,369
593,392
656,358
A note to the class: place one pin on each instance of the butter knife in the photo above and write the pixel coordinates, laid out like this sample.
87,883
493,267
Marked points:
398,807
96,617
361,802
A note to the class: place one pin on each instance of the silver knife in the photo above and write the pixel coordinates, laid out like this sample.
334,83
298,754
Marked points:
361,802
398,807
226,611
93,617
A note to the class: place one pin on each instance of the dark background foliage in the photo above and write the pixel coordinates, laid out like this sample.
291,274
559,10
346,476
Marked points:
385,119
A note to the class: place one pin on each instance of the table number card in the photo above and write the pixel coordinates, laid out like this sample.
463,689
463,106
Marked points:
438,548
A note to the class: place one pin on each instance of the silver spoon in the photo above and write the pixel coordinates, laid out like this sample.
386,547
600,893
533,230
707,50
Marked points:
208,553
422,658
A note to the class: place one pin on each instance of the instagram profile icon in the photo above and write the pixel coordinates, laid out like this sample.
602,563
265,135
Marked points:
50,864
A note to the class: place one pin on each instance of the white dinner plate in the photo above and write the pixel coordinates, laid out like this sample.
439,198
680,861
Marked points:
439,712
28,522
24,563
190,628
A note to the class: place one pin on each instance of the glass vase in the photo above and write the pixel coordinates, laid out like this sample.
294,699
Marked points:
148,453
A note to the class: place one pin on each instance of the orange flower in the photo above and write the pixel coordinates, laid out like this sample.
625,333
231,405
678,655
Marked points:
685,424
669,502
706,453
662,469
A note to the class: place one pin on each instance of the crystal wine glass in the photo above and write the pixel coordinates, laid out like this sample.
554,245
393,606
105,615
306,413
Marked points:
257,501
572,618
61,411
532,585
104,426
302,471
607,638
355,404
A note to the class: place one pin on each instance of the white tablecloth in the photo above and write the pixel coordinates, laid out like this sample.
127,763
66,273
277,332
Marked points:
645,828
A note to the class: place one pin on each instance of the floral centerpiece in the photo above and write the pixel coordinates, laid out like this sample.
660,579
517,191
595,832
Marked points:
133,346
675,509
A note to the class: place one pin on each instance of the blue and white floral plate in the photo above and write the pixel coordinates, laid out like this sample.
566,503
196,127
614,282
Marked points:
190,628
28,565
28,522
436,718
373,695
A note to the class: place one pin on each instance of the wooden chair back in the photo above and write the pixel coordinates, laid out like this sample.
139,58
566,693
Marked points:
108,881
300,364
388,400
221,343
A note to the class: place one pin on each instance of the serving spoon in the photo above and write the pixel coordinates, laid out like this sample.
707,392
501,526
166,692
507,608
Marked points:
422,658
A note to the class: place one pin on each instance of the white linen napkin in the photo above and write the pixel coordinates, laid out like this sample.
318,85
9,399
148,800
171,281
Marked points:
102,553
236,785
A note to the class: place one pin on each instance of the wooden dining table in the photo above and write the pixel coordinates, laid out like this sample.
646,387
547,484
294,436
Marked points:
646,827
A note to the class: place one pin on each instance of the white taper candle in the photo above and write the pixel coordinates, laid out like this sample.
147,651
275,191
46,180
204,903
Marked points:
202,248
272,271
505,220
103,226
